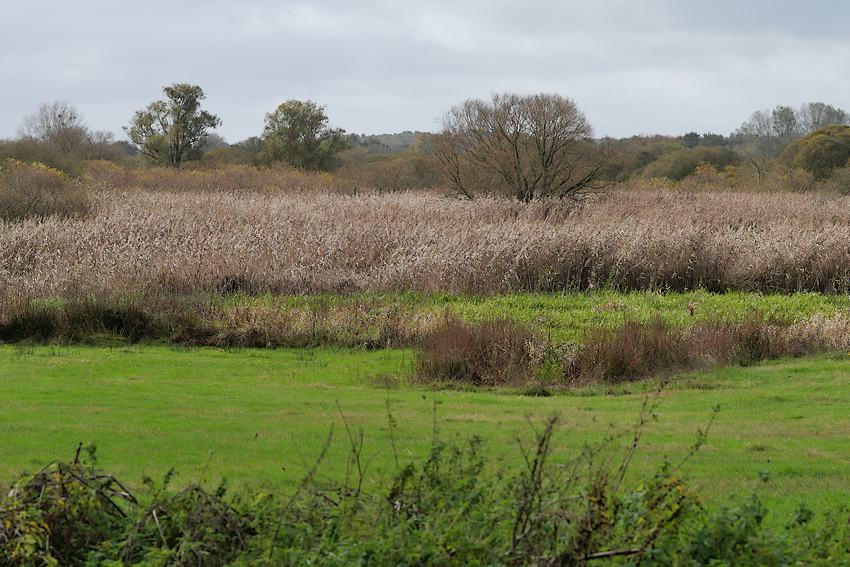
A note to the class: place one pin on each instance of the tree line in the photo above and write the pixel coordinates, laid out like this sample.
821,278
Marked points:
528,147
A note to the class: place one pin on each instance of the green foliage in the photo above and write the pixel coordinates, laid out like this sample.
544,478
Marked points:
629,156
821,152
690,140
58,515
681,163
298,134
172,130
188,527
456,506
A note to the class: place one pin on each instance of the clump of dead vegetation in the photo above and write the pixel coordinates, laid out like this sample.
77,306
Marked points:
497,353
640,349
489,353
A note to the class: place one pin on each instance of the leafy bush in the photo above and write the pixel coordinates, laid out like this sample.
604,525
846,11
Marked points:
681,163
821,152
189,527
56,516
37,191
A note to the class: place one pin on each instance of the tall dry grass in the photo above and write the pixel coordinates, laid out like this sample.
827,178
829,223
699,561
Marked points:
297,242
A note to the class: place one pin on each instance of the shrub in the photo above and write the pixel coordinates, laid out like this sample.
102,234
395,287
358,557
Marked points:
37,191
638,349
838,181
189,527
633,350
821,152
56,516
682,163
389,174
489,353
456,507
29,150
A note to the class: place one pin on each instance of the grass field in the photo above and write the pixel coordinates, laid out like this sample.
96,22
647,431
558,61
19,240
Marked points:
260,417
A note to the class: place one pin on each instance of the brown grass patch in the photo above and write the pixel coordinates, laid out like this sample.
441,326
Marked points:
489,353
636,350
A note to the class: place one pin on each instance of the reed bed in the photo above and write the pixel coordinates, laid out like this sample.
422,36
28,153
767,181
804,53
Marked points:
634,238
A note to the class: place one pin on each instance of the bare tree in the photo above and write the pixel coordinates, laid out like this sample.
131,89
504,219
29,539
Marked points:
785,124
762,138
57,123
816,115
530,147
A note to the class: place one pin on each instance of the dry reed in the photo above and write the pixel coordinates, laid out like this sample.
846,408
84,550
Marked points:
295,242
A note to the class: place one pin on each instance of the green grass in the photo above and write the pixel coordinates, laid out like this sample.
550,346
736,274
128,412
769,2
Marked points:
260,417
568,316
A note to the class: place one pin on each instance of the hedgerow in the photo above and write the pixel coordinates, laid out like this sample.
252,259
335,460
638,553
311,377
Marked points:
453,507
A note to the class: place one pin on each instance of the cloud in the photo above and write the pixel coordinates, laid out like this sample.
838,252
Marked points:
665,66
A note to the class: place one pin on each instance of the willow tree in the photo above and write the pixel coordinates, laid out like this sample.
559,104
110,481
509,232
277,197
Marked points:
528,147
174,129
297,133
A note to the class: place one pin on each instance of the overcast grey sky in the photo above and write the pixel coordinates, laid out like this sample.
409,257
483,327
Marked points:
639,66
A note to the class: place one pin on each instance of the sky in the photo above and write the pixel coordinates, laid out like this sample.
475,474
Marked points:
633,67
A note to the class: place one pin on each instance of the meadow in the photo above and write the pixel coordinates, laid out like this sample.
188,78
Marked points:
222,323
260,417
